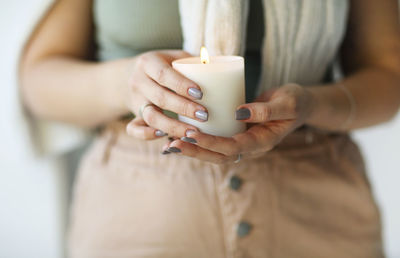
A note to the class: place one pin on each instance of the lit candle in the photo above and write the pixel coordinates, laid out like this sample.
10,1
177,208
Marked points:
221,79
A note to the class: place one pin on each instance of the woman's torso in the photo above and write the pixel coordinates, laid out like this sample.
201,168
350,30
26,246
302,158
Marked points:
309,197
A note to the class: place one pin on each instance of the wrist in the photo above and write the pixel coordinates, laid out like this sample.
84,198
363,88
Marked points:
115,76
315,105
331,108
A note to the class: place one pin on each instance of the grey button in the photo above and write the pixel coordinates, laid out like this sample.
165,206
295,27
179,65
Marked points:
243,229
235,182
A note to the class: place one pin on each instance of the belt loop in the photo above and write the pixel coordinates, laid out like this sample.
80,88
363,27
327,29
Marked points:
110,142
332,141
333,148
309,135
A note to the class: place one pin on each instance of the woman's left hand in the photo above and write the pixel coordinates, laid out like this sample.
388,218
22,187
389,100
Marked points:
276,113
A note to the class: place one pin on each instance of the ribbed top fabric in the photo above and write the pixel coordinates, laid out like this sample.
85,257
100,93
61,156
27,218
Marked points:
130,27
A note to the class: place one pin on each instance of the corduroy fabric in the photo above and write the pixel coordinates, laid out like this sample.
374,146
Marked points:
309,197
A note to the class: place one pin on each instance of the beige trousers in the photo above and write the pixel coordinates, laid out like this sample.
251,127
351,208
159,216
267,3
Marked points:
309,197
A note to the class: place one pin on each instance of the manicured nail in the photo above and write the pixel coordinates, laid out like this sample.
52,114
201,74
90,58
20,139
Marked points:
242,114
189,132
195,93
200,114
174,149
165,152
188,139
160,133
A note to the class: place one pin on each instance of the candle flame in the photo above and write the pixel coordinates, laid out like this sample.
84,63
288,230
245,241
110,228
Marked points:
204,56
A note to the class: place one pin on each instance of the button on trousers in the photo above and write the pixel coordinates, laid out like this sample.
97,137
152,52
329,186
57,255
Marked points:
309,197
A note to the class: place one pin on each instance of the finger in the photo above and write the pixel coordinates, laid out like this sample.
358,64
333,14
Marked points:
258,138
266,95
171,55
194,151
223,145
161,71
259,112
154,117
252,141
168,100
164,150
139,129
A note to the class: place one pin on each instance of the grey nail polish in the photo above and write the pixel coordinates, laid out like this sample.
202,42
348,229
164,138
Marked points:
173,149
160,133
165,152
200,114
189,140
195,93
242,114
188,132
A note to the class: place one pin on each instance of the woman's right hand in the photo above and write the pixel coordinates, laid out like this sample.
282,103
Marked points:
154,81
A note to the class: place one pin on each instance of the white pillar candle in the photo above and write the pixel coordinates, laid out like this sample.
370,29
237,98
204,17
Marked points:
221,79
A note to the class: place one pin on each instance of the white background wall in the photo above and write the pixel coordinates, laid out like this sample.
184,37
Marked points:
381,148
32,192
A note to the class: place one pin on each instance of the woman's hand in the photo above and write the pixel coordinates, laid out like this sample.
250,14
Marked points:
276,113
154,81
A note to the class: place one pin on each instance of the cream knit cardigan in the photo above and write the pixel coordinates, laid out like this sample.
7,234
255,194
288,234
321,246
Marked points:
301,37
301,40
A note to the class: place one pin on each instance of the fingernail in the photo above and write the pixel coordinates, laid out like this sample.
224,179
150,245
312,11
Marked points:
189,132
188,139
173,149
200,114
195,93
165,152
160,133
242,114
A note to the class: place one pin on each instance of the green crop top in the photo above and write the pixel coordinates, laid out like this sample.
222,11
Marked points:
130,27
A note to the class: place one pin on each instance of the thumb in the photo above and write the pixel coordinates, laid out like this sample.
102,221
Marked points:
259,112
